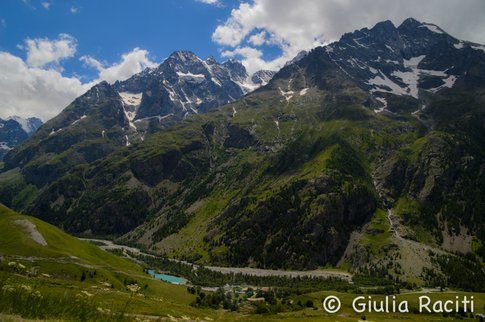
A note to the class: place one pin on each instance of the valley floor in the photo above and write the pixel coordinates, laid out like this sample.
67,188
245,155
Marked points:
325,273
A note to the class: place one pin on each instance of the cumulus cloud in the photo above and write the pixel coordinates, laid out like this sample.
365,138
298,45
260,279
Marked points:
258,39
37,87
43,51
46,5
31,91
295,26
252,59
131,63
74,10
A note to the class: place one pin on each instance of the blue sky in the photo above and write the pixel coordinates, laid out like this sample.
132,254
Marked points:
52,51
106,29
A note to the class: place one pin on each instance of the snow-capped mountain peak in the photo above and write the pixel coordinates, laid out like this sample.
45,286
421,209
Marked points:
14,130
29,125
185,84
407,60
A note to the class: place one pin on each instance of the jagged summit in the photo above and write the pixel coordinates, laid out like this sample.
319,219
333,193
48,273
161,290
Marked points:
185,84
385,26
410,23
414,60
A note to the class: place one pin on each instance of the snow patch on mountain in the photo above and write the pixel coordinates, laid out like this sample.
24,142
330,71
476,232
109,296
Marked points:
286,94
448,83
29,125
383,101
410,78
4,146
79,119
131,103
197,78
303,91
247,86
54,132
459,45
131,98
159,118
432,28
384,85
479,47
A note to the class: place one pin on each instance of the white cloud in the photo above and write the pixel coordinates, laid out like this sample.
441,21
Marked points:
46,5
230,34
91,62
37,87
30,91
252,59
212,2
131,63
295,26
74,10
43,51
3,23
258,39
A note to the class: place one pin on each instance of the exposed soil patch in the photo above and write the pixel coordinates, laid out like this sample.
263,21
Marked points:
32,230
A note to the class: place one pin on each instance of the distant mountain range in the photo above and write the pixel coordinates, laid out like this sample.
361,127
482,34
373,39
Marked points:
185,84
366,154
111,116
15,130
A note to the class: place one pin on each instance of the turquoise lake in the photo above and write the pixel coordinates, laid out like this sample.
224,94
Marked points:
167,278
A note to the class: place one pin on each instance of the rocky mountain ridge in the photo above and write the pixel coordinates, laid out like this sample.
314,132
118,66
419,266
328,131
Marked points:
14,130
408,63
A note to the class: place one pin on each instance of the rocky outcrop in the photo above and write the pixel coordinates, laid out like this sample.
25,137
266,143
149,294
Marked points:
238,137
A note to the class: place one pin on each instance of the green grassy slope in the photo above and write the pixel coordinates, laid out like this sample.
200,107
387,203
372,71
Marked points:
16,241
73,278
